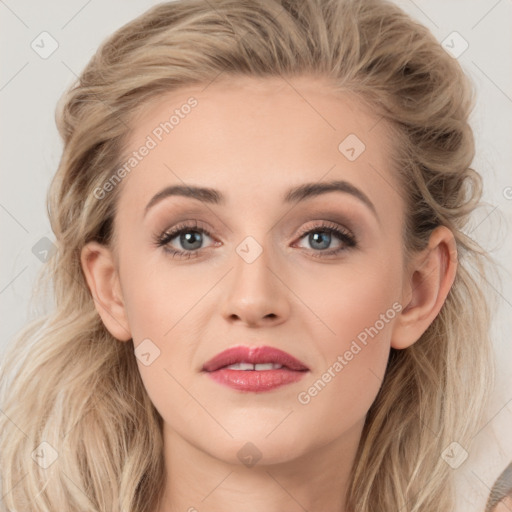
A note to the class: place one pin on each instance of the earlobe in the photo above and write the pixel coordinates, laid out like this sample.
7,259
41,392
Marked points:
102,278
427,284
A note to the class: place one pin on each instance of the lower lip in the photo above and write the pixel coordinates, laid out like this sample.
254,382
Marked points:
253,380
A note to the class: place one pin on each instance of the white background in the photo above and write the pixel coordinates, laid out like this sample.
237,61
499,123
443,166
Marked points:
30,87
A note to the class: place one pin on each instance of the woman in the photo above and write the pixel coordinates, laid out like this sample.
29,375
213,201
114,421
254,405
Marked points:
323,343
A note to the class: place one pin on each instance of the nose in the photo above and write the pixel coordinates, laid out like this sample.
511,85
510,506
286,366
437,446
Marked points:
256,294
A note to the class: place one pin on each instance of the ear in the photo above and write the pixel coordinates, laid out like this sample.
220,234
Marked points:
102,277
427,283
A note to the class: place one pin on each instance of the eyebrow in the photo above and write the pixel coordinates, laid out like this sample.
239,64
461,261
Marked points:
296,194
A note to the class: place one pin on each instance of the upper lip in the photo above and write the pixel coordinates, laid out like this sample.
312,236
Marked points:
253,355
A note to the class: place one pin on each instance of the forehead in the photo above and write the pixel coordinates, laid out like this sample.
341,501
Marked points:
251,136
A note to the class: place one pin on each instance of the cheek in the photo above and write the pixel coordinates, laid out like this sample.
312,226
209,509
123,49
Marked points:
156,298
352,298
338,398
159,306
357,307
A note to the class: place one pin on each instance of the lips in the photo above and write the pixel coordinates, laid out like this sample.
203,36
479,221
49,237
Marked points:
254,369
254,356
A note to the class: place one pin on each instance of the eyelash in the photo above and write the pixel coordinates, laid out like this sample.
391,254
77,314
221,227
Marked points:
345,236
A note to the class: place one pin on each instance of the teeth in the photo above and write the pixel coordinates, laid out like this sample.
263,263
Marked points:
257,367
267,366
241,366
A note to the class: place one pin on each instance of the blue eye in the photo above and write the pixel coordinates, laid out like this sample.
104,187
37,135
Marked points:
320,237
191,240
190,236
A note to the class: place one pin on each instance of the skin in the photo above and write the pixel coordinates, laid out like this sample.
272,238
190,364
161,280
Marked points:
253,139
505,505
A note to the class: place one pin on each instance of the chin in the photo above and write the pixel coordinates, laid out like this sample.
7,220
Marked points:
254,445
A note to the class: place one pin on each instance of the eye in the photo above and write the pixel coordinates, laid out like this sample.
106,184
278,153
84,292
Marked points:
189,238
186,239
320,239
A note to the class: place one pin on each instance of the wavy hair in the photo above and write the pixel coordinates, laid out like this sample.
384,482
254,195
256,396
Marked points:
68,383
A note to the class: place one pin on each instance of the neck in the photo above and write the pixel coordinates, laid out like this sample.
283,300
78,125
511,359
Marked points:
314,480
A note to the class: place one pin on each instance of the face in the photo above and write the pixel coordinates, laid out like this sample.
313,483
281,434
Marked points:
318,275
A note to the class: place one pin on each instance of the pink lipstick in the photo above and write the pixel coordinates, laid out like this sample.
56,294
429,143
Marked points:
254,369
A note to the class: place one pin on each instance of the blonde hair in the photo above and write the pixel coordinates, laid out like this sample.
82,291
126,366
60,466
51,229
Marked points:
79,389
